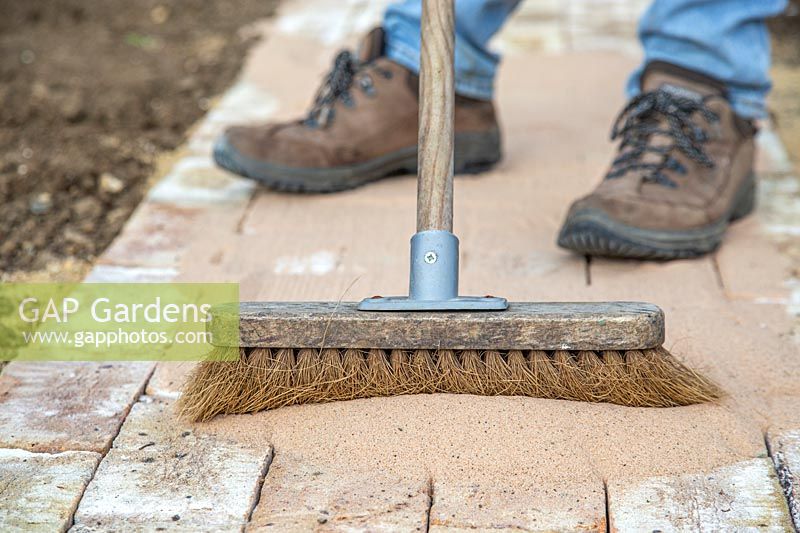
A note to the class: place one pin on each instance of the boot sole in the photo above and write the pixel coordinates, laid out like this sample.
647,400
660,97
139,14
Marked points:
474,153
592,232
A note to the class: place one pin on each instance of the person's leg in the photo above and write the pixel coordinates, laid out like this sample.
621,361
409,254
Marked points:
476,22
724,39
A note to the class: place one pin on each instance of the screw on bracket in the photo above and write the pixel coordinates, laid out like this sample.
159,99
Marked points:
431,257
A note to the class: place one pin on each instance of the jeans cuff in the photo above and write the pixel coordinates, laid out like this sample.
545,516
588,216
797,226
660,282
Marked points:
746,106
475,87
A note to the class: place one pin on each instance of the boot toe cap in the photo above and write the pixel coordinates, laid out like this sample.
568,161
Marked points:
242,146
631,228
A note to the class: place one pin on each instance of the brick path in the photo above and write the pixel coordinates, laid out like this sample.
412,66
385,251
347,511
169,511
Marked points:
96,447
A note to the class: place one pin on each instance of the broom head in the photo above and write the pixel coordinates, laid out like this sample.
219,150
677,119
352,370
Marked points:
307,352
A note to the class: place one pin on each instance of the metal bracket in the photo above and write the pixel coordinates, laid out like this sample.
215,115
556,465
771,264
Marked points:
433,284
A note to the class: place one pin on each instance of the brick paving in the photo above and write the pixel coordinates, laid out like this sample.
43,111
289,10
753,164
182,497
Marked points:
439,463
740,497
164,474
40,491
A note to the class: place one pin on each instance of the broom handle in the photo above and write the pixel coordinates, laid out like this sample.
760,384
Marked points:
436,116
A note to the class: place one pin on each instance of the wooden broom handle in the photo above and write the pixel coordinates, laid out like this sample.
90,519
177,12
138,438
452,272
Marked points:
436,116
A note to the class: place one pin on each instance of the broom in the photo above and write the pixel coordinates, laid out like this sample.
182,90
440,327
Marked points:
434,340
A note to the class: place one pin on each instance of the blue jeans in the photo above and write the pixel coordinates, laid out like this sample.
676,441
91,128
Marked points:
724,39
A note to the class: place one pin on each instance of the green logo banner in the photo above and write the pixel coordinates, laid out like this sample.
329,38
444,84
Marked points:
114,321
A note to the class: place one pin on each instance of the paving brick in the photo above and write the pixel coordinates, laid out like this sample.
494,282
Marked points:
196,181
779,206
784,448
40,491
755,345
242,103
153,237
157,236
519,507
173,526
759,275
168,378
670,284
59,406
744,496
762,273
299,496
771,156
128,274
161,472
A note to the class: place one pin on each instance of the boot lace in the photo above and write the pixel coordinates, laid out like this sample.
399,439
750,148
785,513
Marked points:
346,71
640,120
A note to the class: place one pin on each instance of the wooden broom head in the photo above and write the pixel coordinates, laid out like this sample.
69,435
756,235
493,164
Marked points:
523,326
596,352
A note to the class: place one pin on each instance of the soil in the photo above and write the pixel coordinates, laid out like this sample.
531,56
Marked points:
92,94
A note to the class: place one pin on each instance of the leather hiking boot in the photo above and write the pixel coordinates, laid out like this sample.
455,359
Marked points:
683,173
361,127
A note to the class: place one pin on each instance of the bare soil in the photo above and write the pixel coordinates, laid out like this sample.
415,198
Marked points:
92,93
